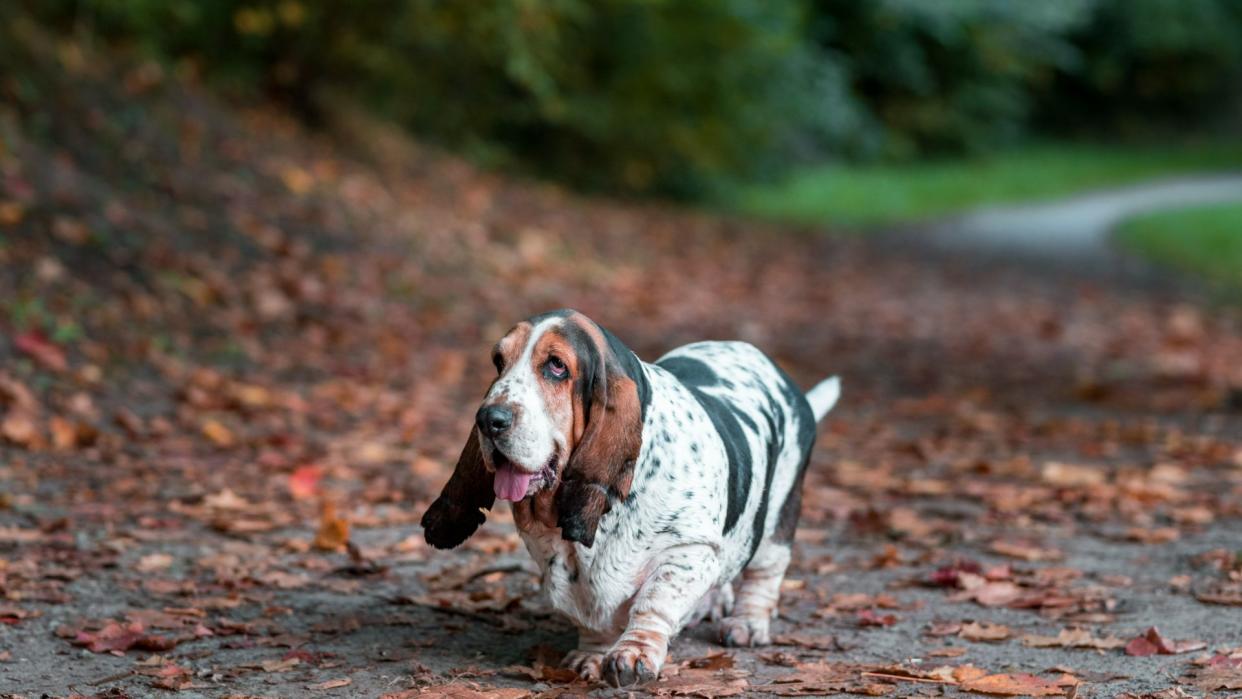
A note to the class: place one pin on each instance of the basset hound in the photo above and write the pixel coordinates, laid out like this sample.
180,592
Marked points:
641,490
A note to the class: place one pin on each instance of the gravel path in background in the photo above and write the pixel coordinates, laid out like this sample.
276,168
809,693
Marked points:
1076,228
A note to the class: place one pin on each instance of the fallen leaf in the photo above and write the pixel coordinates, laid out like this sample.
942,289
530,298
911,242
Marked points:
168,676
332,684
1151,642
11,615
304,482
226,500
219,435
714,661
1160,535
991,594
820,679
13,535
707,684
333,530
544,673
801,640
1225,593
280,665
36,345
1013,685
64,433
11,212
462,690
153,562
868,617
120,638
1073,638
975,631
1072,475
950,575
20,427
944,628
1218,671
1024,551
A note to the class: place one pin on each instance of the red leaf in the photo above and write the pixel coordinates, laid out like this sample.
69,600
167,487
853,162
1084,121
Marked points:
868,617
948,575
1141,647
40,349
304,482
1153,643
122,637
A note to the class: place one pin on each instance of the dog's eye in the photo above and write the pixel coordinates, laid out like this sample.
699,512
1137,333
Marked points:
499,361
556,368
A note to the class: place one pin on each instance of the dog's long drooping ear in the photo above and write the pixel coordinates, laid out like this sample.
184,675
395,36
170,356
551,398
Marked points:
612,393
458,512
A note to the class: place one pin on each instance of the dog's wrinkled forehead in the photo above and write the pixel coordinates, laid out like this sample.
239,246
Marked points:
568,334
514,353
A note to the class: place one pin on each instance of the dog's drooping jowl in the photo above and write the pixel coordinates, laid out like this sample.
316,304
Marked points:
643,491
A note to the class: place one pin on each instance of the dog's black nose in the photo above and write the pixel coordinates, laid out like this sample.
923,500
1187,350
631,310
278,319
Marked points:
494,420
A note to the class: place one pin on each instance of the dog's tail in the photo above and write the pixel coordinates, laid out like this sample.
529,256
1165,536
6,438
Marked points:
824,396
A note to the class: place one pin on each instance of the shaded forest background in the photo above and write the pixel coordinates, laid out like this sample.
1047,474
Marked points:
677,97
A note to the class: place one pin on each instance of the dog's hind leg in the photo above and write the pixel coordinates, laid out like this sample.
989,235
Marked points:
715,605
757,597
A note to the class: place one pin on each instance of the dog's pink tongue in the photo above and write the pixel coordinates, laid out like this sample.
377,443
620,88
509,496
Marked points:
510,483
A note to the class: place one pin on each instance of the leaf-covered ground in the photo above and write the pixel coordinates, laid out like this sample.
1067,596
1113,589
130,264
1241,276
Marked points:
238,359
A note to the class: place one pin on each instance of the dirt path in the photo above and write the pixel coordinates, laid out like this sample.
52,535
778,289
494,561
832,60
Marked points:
230,345
1077,228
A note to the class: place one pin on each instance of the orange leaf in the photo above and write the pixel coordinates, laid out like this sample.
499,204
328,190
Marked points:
217,433
333,530
1013,685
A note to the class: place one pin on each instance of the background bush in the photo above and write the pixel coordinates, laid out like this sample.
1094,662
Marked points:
1147,66
946,76
669,94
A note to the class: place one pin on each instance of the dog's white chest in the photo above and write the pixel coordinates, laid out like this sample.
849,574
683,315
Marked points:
576,585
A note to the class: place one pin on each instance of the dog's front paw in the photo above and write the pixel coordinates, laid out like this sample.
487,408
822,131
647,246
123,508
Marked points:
586,663
744,631
633,662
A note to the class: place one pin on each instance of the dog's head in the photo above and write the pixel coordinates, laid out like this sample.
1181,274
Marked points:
562,422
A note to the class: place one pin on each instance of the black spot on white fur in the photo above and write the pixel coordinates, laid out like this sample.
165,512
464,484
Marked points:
729,422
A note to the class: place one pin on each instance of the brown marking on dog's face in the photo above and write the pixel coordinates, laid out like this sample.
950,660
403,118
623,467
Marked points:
556,391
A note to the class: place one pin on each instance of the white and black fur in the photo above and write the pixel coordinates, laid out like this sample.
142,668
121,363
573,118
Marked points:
712,497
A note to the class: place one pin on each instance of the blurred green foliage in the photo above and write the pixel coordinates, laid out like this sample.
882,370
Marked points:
670,94
862,195
942,77
1203,240
1147,65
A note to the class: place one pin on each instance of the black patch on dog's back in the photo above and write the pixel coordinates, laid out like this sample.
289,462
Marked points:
727,419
